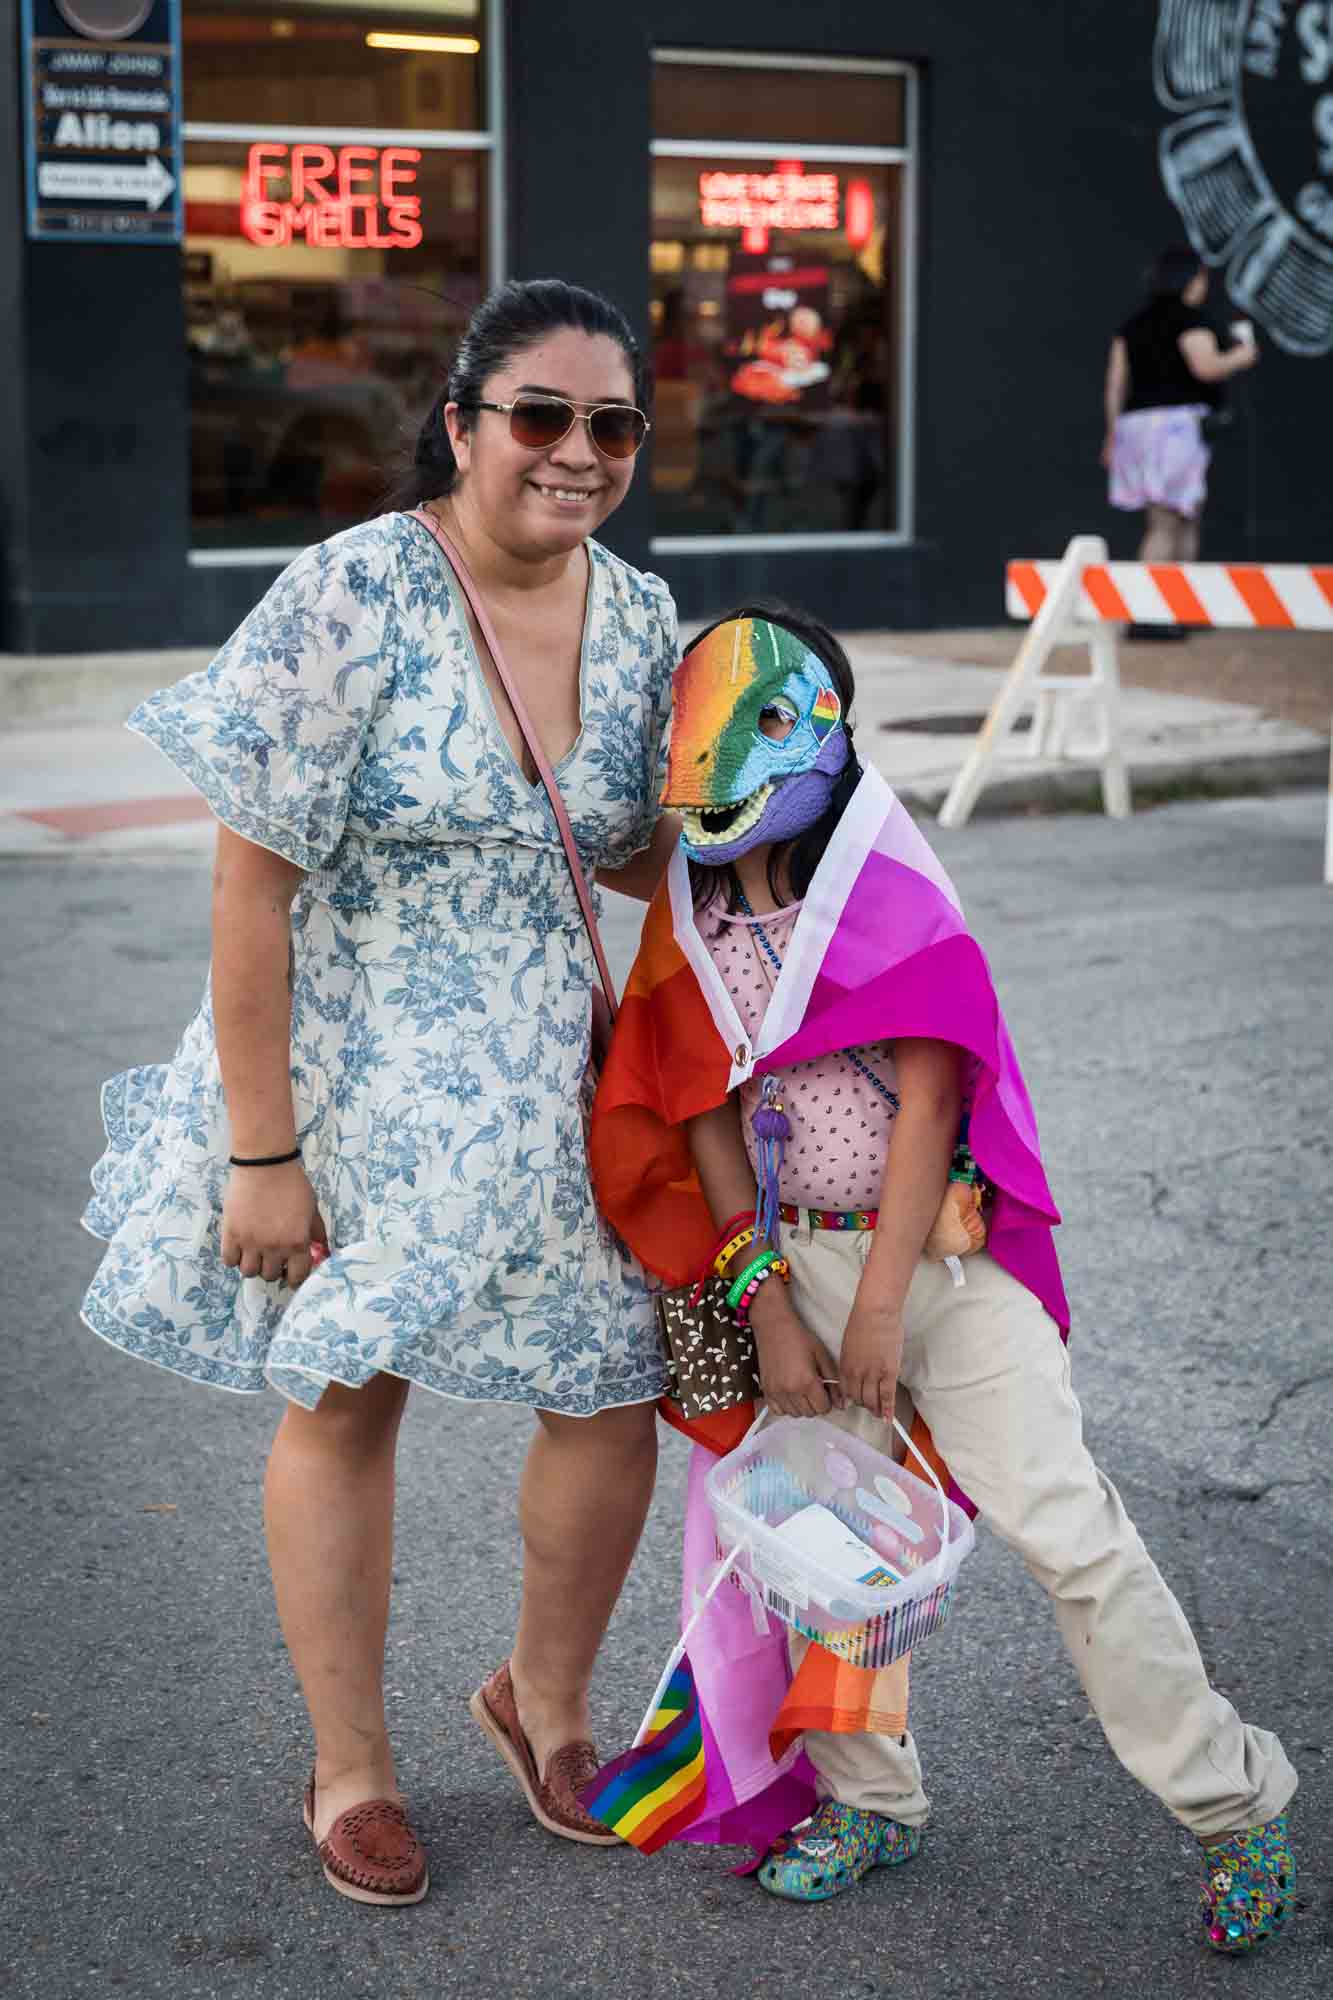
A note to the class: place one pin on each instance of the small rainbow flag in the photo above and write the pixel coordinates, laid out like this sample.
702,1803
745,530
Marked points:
826,713
654,1790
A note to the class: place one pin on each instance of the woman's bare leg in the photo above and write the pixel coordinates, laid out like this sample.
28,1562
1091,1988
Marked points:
328,1510
582,1504
1187,538
1160,536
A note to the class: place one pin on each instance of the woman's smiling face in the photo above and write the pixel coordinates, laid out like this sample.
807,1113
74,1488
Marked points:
542,503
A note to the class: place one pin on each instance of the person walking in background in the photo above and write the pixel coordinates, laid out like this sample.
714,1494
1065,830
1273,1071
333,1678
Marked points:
389,1061
1164,373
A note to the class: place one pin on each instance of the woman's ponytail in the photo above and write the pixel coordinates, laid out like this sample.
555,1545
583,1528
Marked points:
433,469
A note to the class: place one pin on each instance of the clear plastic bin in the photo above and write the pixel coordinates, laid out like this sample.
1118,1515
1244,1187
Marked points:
917,1538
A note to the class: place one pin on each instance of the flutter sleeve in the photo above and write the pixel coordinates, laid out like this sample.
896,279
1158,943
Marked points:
271,732
661,650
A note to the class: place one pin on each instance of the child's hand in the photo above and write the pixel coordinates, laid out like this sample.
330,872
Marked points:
872,1349
794,1366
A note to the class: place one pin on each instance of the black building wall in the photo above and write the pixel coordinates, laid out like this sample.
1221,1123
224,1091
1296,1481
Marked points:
13,349
94,428
1040,203
1040,206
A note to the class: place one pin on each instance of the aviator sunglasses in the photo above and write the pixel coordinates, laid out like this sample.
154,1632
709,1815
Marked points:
538,422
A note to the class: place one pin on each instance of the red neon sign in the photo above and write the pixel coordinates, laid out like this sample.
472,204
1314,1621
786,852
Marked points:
860,213
353,199
788,198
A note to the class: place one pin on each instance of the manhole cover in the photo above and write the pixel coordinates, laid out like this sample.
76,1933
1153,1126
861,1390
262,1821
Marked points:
947,725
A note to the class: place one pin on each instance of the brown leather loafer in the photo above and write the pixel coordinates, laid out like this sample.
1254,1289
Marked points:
554,1798
370,1853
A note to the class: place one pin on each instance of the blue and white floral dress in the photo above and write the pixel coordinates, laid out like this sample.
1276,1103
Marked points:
441,984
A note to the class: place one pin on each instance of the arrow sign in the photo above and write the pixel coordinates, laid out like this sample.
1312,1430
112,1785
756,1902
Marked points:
68,180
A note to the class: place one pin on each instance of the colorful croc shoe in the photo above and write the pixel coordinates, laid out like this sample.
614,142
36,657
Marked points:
1249,1883
832,1851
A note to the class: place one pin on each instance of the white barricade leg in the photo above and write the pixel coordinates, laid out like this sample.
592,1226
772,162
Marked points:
1104,646
1045,728
1046,632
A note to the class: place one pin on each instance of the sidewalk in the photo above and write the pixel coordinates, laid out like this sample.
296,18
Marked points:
1221,712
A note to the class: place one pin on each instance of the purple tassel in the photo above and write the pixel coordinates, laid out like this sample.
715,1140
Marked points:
771,1130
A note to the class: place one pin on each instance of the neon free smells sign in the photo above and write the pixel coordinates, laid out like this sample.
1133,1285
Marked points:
343,198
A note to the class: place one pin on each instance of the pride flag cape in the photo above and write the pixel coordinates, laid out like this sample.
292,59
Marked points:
879,951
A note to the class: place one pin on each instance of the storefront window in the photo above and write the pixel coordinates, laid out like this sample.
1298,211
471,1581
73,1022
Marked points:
780,300
338,193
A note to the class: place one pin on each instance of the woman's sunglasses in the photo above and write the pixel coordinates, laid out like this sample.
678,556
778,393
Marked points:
538,422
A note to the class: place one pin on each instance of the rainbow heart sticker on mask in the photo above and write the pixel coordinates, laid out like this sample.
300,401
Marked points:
826,713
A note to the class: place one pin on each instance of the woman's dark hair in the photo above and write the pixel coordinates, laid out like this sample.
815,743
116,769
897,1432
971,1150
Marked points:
1177,267
515,316
802,855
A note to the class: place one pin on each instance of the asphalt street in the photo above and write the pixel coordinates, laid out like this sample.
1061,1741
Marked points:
1167,981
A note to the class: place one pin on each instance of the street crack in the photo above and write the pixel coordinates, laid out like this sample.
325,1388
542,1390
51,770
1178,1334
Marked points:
1293,1389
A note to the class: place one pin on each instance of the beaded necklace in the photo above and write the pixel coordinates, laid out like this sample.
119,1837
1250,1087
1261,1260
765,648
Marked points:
863,1069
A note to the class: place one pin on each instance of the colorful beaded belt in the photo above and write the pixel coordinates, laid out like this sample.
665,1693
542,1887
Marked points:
830,1218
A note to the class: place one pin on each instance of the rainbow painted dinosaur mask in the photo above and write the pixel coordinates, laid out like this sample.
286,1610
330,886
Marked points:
757,739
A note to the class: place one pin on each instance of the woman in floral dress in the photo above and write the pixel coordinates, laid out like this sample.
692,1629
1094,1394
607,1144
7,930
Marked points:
399,1004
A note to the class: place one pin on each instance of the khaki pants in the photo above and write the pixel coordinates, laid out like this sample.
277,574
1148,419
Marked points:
985,1366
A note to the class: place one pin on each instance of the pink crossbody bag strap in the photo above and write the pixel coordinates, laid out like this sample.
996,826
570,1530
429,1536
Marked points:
529,735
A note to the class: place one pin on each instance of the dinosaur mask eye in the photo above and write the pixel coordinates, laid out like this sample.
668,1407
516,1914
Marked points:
778,719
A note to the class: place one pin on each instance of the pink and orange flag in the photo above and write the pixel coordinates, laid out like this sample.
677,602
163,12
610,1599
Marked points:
880,951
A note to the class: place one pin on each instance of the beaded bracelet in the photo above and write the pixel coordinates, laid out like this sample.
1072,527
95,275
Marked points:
779,1268
759,1263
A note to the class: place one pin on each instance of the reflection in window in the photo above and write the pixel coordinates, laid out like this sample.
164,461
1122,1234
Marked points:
777,306
335,217
318,316
334,63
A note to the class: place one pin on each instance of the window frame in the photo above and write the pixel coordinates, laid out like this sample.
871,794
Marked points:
906,156
488,140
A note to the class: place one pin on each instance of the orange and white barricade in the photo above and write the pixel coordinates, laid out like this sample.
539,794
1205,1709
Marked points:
1083,599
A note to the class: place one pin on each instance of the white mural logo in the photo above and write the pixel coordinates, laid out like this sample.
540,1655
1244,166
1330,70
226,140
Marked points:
1249,164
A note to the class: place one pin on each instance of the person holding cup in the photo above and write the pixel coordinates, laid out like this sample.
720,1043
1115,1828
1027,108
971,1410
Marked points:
1164,373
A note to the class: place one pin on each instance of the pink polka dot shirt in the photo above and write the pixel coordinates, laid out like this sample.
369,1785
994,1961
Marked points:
840,1123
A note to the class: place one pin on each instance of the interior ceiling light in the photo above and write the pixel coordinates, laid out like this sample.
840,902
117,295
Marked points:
436,45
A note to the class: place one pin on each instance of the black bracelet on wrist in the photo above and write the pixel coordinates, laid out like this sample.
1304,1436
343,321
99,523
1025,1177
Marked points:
269,1160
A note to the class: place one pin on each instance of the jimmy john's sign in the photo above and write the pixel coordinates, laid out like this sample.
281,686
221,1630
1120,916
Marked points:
102,109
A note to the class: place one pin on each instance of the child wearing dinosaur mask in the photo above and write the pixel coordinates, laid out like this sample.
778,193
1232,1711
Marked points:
808,1029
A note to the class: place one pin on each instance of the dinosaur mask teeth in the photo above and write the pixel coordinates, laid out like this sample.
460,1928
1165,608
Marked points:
720,826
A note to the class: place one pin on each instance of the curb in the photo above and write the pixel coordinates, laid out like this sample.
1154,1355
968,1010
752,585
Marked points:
1070,788
1075,788
44,691
184,839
